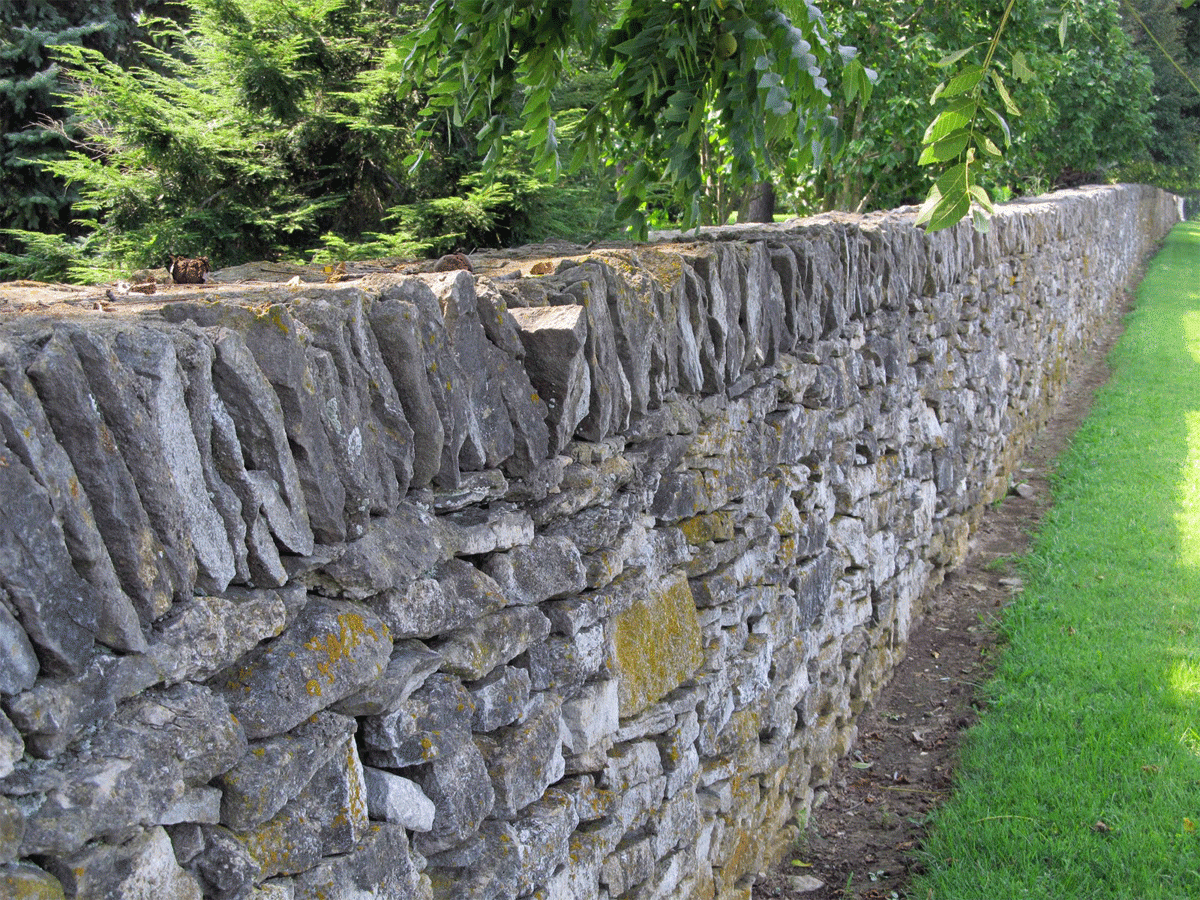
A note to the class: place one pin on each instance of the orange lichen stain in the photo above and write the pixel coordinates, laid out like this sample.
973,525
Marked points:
352,631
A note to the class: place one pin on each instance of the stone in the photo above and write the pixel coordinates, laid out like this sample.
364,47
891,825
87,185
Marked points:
474,532
12,830
563,664
206,634
554,339
657,643
327,817
132,770
542,835
458,783
37,577
393,798
275,770
394,552
219,859
525,759
332,650
493,873
454,595
18,662
591,717
491,641
547,568
198,804
436,718
142,868
27,882
380,867
500,698
410,664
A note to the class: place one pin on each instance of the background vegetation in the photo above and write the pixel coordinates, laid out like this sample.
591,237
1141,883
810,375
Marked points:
245,129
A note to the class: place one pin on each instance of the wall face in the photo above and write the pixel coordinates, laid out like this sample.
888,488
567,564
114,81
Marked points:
567,587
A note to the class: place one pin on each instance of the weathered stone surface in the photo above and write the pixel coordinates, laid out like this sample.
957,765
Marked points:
458,784
131,771
142,868
455,594
493,640
275,770
542,834
12,829
331,651
592,716
381,867
525,759
500,698
546,568
18,662
392,798
393,553
476,531
28,882
411,663
12,747
327,817
435,718
554,338
207,634
657,645
563,664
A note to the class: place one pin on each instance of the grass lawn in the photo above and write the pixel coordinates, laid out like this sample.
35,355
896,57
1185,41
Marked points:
1082,779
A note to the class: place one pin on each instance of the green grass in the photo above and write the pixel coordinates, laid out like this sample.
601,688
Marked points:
1082,779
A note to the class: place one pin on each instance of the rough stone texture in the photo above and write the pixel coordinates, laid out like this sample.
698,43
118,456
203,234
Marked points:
594,569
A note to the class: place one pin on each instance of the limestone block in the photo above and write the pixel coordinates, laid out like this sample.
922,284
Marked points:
392,798
327,817
657,644
18,662
579,877
331,651
592,716
395,551
500,698
491,875
206,634
474,532
56,606
28,434
547,568
436,718
218,858
28,882
275,770
380,867
526,758
198,804
410,664
542,834
130,771
564,664
461,790
12,830
493,640
452,596
630,865
142,868
554,339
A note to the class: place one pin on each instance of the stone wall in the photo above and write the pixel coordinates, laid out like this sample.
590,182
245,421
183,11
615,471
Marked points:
461,586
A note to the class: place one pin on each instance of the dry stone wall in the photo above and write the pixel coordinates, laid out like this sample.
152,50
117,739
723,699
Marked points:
453,586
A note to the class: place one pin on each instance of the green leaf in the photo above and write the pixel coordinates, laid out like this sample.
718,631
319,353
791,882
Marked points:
954,118
1000,122
947,61
1009,106
1021,70
964,81
1062,28
946,149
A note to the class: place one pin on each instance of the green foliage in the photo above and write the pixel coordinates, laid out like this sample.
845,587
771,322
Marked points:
736,79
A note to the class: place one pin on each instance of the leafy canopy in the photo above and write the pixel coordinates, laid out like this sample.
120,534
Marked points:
747,75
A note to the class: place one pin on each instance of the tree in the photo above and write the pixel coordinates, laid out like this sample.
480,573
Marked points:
735,84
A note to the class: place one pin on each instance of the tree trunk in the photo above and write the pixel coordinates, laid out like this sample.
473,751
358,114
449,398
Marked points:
759,204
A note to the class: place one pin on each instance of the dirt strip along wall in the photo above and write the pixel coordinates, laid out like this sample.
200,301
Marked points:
460,586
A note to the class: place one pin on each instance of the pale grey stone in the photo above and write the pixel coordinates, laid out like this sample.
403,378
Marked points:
206,634
491,641
199,804
554,339
542,833
564,664
548,567
500,698
18,662
592,716
410,664
142,868
392,798
394,552
27,881
629,866
331,651
12,830
380,867
275,770
436,718
473,532
493,874
458,784
455,594
132,770
526,758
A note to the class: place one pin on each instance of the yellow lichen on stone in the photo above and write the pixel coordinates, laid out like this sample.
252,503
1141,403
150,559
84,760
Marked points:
657,644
